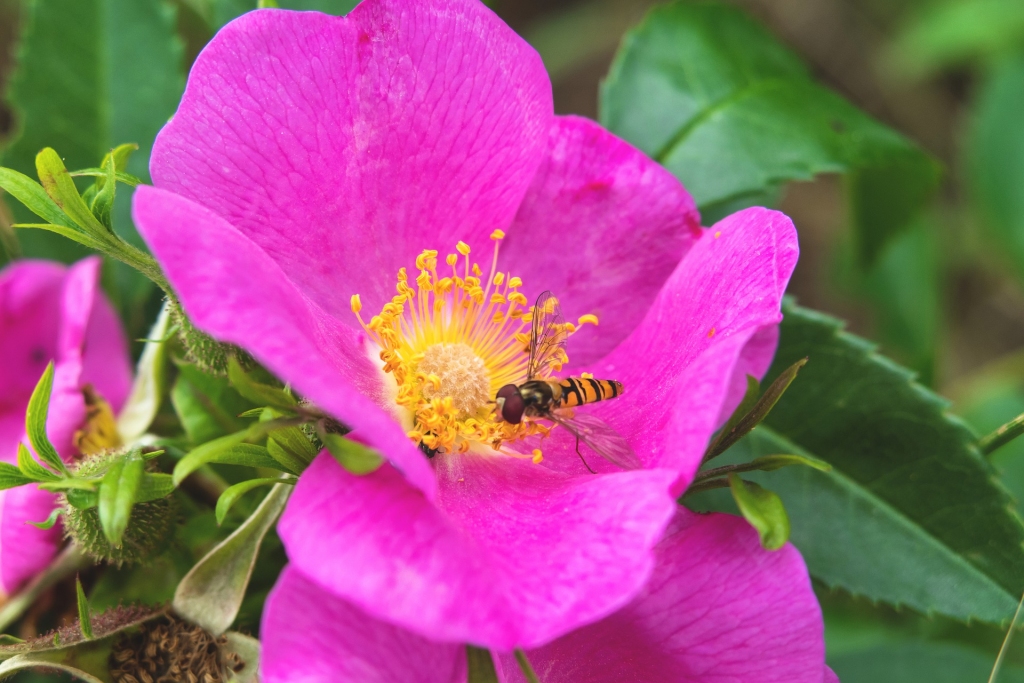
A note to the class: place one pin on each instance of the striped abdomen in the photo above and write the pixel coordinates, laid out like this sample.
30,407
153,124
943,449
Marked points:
541,396
577,391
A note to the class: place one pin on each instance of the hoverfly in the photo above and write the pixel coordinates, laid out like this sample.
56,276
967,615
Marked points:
547,399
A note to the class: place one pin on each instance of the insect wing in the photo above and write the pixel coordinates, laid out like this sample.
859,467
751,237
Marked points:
600,437
548,336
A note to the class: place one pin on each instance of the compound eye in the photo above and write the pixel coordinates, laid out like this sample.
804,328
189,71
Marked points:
511,404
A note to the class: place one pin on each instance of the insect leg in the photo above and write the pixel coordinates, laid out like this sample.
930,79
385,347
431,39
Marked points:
582,459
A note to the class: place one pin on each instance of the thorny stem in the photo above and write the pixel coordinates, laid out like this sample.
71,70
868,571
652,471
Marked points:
67,563
524,665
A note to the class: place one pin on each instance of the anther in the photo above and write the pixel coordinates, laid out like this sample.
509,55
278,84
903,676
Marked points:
356,303
498,235
462,248
588,318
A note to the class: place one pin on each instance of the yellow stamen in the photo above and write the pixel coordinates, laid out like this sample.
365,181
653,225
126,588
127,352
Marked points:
450,344
99,433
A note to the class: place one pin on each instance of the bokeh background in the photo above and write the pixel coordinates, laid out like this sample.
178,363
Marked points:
945,298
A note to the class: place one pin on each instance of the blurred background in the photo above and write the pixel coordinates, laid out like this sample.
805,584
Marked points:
945,297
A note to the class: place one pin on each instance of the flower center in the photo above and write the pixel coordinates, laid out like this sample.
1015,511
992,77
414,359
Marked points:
463,376
451,341
99,433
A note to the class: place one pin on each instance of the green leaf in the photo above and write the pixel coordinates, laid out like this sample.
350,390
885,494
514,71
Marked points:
763,509
248,455
211,593
913,661
71,233
291,448
34,197
247,650
207,406
154,485
83,500
766,463
762,406
353,456
260,394
35,422
995,154
68,483
480,666
207,453
11,476
51,661
745,406
220,12
952,32
117,495
733,114
123,178
150,383
905,288
90,75
59,184
906,482
50,521
28,466
84,620
233,493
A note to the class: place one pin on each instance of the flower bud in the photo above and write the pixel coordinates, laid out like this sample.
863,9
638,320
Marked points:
208,354
149,528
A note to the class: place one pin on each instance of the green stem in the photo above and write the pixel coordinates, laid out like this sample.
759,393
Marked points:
707,485
1006,643
524,665
67,563
1002,436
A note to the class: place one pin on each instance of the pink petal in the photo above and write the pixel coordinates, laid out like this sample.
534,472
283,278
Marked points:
683,368
717,609
91,349
311,636
49,312
346,145
515,556
30,314
830,676
602,227
239,294
24,549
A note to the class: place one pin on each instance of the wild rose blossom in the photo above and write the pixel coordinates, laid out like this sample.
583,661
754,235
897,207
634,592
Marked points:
311,160
50,312
717,607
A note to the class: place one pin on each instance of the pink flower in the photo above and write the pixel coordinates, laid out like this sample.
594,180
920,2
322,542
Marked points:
311,159
50,312
717,609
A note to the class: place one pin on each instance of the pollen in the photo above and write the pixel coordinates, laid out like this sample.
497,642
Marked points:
450,338
99,433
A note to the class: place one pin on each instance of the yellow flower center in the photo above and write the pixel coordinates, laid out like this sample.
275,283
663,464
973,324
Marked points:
450,341
99,433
